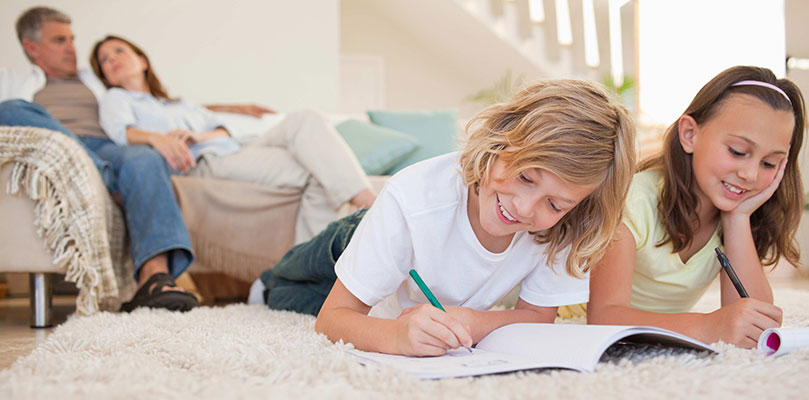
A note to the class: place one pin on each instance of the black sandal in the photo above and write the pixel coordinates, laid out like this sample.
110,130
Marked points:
157,298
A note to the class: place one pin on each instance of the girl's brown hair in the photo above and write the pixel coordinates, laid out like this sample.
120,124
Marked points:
155,87
774,223
573,129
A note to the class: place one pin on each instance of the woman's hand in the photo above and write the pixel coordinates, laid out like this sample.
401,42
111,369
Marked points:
424,330
742,322
192,138
752,203
174,148
183,135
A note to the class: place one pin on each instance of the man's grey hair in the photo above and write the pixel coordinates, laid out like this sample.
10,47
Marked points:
29,24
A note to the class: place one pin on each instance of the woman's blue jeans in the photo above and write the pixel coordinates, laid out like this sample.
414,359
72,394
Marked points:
142,178
305,275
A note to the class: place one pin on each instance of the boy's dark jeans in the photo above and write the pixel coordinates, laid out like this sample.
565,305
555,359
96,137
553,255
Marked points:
305,275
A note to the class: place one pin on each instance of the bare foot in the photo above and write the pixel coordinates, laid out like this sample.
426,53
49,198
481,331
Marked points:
364,199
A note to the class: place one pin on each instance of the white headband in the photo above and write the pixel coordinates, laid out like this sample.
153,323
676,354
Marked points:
763,84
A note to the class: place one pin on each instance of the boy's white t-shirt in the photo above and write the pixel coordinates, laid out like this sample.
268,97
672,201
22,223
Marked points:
420,221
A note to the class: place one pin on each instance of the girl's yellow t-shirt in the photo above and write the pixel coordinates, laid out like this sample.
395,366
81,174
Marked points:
662,282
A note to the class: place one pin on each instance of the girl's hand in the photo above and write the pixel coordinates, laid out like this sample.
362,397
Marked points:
742,322
174,149
751,204
427,331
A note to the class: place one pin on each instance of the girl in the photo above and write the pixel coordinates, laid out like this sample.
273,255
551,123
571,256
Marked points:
727,177
303,151
532,200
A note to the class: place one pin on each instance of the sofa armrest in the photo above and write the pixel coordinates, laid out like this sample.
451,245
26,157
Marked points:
74,214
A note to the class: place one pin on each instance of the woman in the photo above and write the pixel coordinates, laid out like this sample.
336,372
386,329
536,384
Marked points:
303,151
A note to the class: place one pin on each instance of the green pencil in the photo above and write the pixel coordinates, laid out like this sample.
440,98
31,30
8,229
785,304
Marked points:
426,290
429,294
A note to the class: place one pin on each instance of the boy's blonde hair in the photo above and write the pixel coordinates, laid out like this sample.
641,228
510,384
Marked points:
573,129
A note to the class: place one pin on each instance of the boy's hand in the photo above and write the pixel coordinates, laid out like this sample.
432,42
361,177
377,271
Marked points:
742,322
472,319
427,331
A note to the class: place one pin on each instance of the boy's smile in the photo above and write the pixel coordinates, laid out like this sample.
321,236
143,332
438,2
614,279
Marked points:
534,200
505,216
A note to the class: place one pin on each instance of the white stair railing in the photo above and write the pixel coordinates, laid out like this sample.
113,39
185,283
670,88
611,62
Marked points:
564,37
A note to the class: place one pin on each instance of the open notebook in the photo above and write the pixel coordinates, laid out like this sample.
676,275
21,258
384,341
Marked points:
531,346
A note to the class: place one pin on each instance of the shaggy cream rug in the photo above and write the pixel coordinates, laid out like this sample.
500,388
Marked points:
244,351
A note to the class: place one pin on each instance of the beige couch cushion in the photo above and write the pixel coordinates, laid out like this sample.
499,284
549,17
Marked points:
236,228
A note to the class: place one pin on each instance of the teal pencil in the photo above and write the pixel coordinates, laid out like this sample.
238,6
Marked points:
428,293
426,290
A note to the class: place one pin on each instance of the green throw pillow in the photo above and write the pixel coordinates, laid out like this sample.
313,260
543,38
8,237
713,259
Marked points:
378,148
436,131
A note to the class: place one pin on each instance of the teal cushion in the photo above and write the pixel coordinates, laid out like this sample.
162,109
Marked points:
436,131
377,148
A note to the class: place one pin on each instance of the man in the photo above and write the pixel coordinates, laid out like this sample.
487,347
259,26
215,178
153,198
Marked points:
55,95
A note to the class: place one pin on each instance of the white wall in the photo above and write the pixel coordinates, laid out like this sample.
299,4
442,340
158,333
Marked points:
797,13
683,44
434,52
416,77
283,54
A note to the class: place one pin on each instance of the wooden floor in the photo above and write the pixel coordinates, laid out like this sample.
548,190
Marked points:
17,339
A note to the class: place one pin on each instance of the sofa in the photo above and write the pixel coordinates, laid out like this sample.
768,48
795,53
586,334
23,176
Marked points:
59,218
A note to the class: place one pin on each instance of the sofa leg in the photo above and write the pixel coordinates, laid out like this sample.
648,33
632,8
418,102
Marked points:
41,291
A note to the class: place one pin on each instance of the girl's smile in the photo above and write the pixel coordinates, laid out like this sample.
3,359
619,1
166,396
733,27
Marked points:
736,153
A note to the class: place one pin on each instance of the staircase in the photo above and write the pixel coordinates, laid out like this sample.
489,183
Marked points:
479,40
579,38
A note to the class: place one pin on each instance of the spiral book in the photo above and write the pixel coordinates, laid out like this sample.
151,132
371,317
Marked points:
528,346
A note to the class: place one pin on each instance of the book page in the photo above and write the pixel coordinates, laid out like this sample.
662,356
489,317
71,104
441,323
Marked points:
566,345
456,363
574,346
530,346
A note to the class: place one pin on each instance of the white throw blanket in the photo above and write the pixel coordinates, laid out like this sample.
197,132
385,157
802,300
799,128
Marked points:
75,214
